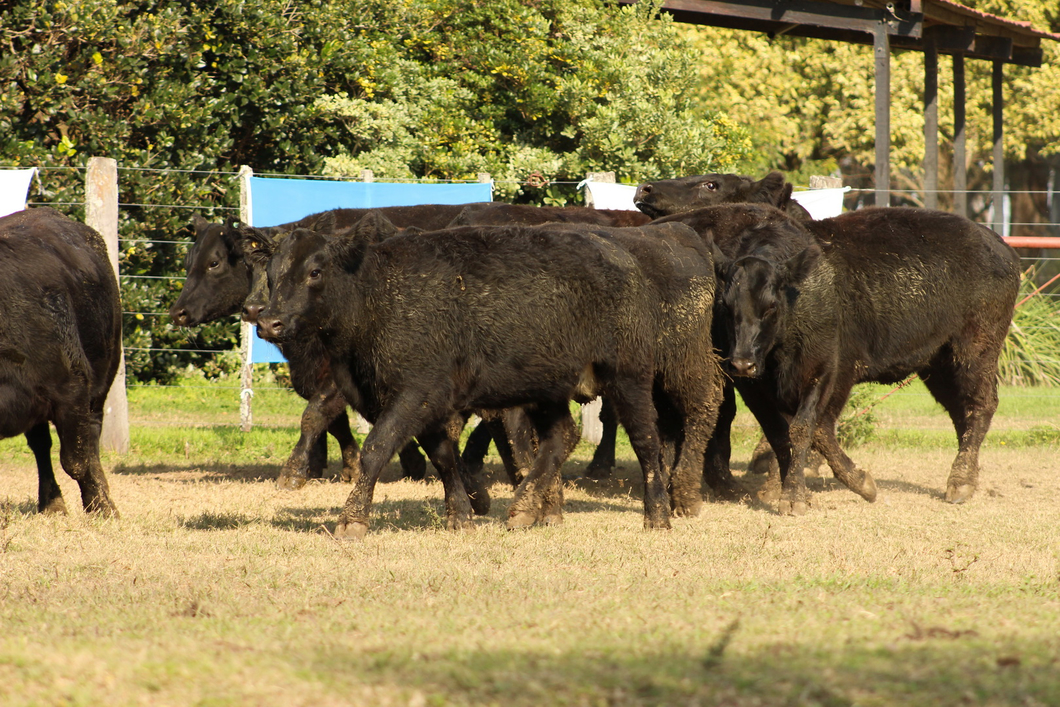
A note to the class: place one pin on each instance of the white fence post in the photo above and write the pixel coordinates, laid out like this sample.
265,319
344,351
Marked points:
246,379
101,213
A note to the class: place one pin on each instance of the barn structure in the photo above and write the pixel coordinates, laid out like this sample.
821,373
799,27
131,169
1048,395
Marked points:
930,26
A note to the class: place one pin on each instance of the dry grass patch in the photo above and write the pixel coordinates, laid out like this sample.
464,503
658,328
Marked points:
216,588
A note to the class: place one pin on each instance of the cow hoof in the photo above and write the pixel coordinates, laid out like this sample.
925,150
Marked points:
351,531
350,474
656,523
769,494
456,523
553,519
688,510
290,483
57,506
868,488
520,519
793,508
598,472
480,500
959,494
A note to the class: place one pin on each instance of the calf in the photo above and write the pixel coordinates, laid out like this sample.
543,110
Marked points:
217,285
422,326
674,196
872,295
60,345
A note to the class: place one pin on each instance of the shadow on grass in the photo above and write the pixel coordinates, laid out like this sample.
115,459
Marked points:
948,671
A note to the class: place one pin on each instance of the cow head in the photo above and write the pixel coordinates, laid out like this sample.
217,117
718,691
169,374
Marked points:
217,279
304,267
674,196
755,298
258,246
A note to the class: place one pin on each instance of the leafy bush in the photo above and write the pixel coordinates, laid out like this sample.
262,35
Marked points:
182,94
1031,355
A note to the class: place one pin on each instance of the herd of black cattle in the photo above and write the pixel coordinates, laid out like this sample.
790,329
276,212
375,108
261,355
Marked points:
418,316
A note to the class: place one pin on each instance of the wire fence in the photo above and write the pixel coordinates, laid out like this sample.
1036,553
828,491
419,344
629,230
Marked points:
1044,262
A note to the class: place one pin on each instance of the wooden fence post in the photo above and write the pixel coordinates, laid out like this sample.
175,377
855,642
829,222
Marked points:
101,213
246,378
592,428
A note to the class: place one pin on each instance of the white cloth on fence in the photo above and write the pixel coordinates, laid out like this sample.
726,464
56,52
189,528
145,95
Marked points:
611,196
821,203
14,189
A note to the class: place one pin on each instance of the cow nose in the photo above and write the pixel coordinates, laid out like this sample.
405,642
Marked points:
744,366
269,328
251,312
642,191
179,316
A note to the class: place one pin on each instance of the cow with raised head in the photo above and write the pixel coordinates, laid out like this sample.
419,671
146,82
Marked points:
423,326
673,196
872,295
60,346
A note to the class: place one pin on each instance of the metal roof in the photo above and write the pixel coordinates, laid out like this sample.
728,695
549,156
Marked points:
954,28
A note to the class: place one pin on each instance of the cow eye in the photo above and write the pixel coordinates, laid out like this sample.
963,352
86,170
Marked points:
214,264
314,274
711,186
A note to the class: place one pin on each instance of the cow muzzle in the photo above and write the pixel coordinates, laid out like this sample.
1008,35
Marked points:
744,367
272,328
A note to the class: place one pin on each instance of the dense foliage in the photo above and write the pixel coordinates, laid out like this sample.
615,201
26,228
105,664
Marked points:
529,91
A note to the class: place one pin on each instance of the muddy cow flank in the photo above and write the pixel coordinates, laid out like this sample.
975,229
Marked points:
60,344
874,295
674,196
403,324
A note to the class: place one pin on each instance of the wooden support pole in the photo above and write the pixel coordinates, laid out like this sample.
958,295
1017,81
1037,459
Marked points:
931,123
246,378
881,50
960,160
101,213
999,148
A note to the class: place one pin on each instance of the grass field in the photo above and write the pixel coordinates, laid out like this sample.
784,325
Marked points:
215,588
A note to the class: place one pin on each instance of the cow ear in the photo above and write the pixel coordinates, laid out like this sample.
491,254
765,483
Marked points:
411,230
325,223
797,267
347,249
462,219
373,227
771,189
257,244
721,262
199,223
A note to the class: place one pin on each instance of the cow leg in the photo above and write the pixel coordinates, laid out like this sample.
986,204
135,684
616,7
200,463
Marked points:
79,432
413,465
716,471
969,394
393,429
477,493
476,447
785,485
824,440
309,455
539,498
49,496
442,452
604,457
636,412
517,429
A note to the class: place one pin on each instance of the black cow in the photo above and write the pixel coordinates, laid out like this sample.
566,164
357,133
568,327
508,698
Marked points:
60,345
217,285
501,214
423,326
872,295
673,196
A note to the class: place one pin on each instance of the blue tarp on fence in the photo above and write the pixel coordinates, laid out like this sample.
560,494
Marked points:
277,201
